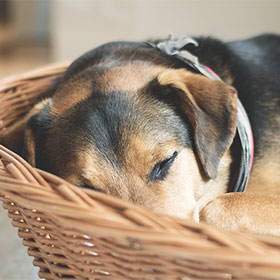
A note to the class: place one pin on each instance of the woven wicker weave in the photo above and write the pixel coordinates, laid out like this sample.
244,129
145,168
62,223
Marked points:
74,233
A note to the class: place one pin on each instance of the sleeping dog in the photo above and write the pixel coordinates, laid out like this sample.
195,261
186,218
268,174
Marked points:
135,122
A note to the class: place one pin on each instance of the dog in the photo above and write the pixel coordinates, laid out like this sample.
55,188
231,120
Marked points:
137,123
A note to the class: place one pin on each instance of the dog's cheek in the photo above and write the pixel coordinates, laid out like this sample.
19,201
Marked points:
179,188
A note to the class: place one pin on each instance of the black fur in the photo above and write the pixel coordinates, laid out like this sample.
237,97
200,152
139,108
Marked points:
256,71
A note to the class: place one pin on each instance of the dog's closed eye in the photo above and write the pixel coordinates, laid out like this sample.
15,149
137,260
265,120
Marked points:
94,188
161,169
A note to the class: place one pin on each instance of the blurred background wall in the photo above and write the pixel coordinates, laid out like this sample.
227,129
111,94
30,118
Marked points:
35,32
77,27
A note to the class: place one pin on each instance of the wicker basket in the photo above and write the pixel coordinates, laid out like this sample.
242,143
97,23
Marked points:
74,233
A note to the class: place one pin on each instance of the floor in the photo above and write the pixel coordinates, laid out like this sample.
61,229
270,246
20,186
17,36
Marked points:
13,254
15,264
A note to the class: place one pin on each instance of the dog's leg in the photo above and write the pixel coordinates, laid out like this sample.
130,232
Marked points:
245,212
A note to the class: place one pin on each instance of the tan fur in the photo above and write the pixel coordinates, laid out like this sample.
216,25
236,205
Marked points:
130,184
257,210
265,176
129,78
245,212
70,94
30,146
209,190
125,78
184,185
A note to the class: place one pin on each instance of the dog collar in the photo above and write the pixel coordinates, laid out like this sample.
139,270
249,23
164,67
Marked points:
174,47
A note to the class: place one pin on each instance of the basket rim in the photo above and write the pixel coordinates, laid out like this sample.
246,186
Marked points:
9,81
175,234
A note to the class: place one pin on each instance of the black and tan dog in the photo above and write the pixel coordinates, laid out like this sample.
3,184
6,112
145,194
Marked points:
138,124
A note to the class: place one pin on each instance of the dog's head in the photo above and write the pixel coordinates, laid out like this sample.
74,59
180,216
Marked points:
137,129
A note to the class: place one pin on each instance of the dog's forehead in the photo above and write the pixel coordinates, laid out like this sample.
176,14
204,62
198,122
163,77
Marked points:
129,77
138,157
111,123
116,129
103,79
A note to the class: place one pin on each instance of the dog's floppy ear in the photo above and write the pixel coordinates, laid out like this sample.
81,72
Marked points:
34,124
211,108
20,137
16,136
29,143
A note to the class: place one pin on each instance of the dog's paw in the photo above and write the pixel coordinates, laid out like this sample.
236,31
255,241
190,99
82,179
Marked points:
244,212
